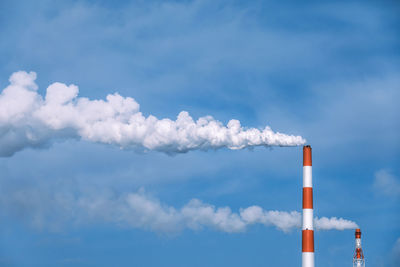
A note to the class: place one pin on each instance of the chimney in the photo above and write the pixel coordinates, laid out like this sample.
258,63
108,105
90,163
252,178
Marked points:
307,229
358,258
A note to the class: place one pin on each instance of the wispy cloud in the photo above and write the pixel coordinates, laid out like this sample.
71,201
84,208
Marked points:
387,183
396,253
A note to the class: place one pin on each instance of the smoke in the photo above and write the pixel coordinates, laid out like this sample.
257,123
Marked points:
286,221
139,210
29,120
334,223
49,209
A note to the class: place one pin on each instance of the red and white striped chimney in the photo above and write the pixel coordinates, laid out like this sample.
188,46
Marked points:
307,229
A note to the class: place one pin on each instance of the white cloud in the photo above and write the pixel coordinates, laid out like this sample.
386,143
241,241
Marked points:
396,253
28,120
386,183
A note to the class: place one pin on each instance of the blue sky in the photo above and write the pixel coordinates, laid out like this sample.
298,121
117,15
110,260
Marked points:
326,71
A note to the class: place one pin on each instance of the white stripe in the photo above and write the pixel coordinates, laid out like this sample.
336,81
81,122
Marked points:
358,242
307,176
307,259
308,219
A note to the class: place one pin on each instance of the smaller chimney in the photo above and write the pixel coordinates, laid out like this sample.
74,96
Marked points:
358,258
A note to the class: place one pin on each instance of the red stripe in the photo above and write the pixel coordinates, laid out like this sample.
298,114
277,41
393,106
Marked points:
308,241
358,233
307,198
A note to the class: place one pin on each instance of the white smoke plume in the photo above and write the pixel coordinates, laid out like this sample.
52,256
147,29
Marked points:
142,211
334,223
139,210
29,120
285,221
